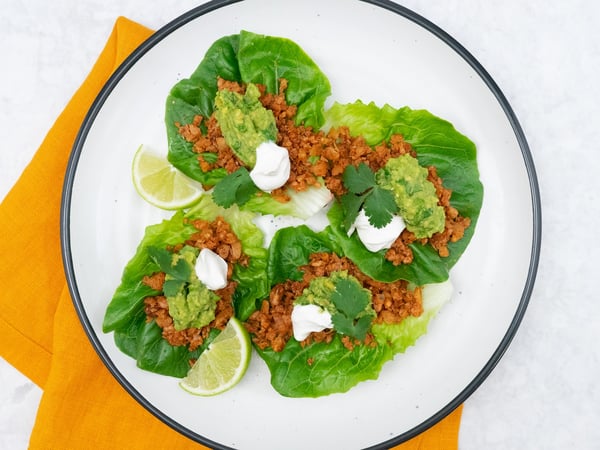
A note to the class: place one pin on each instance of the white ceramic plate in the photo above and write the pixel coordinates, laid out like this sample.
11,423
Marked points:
374,51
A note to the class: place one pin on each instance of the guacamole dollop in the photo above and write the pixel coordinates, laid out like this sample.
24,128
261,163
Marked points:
194,305
319,293
245,122
414,194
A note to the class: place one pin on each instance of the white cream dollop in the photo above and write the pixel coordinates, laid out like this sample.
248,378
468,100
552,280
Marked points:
211,269
373,238
272,168
309,318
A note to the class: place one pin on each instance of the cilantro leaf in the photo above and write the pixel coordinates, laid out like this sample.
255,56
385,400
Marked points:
362,326
358,179
351,205
179,273
162,257
349,297
355,328
353,316
181,270
237,187
172,287
380,206
364,192
342,324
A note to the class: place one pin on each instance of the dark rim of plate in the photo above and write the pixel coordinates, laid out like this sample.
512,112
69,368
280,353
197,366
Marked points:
205,9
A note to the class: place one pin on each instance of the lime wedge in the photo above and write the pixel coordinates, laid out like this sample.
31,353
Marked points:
161,184
223,364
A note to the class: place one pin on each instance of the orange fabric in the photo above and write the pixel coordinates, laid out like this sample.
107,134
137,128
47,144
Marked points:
82,405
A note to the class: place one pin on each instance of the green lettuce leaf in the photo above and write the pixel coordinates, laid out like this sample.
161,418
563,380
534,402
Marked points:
267,59
303,204
245,57
125,313
195,96
437,143
129,296
321,369
291,248
156,355
334,369
405,334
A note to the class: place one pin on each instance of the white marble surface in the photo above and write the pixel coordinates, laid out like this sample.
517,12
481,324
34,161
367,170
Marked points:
544,55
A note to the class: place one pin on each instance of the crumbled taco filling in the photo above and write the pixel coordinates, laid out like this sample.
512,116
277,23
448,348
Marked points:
318,156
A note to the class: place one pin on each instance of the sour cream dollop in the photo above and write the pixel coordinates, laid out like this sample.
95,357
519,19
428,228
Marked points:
211,269
309,318
272,168
373,238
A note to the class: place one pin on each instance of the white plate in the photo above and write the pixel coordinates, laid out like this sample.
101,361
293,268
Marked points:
375,51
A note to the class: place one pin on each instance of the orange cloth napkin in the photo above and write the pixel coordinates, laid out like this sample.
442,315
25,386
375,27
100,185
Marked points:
82,405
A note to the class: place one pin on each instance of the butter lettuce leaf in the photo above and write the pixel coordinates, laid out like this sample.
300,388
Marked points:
321,369
125,314
244,57
303,204
291,248
406,333
267,59
129,296
437,143
195,96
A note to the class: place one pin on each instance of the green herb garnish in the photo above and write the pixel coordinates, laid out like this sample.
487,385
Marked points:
353,314
179,273
237,187
364,192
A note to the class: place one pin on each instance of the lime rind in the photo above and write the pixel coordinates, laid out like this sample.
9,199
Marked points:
161,184
223,364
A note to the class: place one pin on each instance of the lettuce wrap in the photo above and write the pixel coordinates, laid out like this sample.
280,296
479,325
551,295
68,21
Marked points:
437,143
244,57
334,368
125,314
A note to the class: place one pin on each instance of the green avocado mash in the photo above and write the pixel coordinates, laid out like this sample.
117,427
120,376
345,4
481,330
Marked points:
319,293
194,305
245,122
414,194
